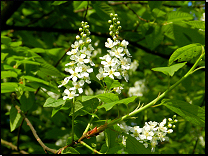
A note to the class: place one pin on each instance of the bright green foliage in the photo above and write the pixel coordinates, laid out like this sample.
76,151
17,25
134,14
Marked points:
166,49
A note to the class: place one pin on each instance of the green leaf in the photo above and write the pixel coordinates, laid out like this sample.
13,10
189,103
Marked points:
5,40
27,100
5,74
111,83
157,12
178,16
170,70
28,62
31,78
191,113
79,4
154,38
58,2
125,101
26,88
197,24
50,102
77,106
15,119
16,44
3,56
106,97
9,87
186,53
70,150
103,10
110,137
37,50
154,4
133,146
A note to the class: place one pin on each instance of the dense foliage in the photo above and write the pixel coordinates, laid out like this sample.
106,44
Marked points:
50,104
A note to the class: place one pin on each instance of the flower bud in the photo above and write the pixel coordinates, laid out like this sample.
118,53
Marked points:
118,22
77,37
80,29
109,21
114,18
111,14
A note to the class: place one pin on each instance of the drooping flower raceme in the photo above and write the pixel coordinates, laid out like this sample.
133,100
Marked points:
117,61
150,133
80,65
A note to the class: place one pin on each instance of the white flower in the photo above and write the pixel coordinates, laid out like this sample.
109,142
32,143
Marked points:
75,73
109,61
118,89
125,63
116,52
80,59
110,72
75,45
78,85
109,43
70,95
65,81
72,52
100,75
136,131
124,43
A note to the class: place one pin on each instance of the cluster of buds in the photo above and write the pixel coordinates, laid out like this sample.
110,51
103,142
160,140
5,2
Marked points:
151,132
115,63
80,65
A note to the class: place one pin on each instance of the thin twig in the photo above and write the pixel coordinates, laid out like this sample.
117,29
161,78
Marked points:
31,127
3,142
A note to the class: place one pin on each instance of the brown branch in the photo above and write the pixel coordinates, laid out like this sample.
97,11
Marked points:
31,127
3,142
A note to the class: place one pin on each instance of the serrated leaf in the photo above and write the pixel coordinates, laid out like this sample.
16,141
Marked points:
111,83
186,53
15,44
79,4
50,102
154,37
191,113
28,62
15,119
133,146
70,150
106,97
103,10
197,24
125,101
9,87
37,50
5,40
58,2
27,100
178,16
5,74
31,78
170,70
154,4
77,106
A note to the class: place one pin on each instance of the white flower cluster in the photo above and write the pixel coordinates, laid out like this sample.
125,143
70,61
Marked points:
150,133
79,68
115,63
138,89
